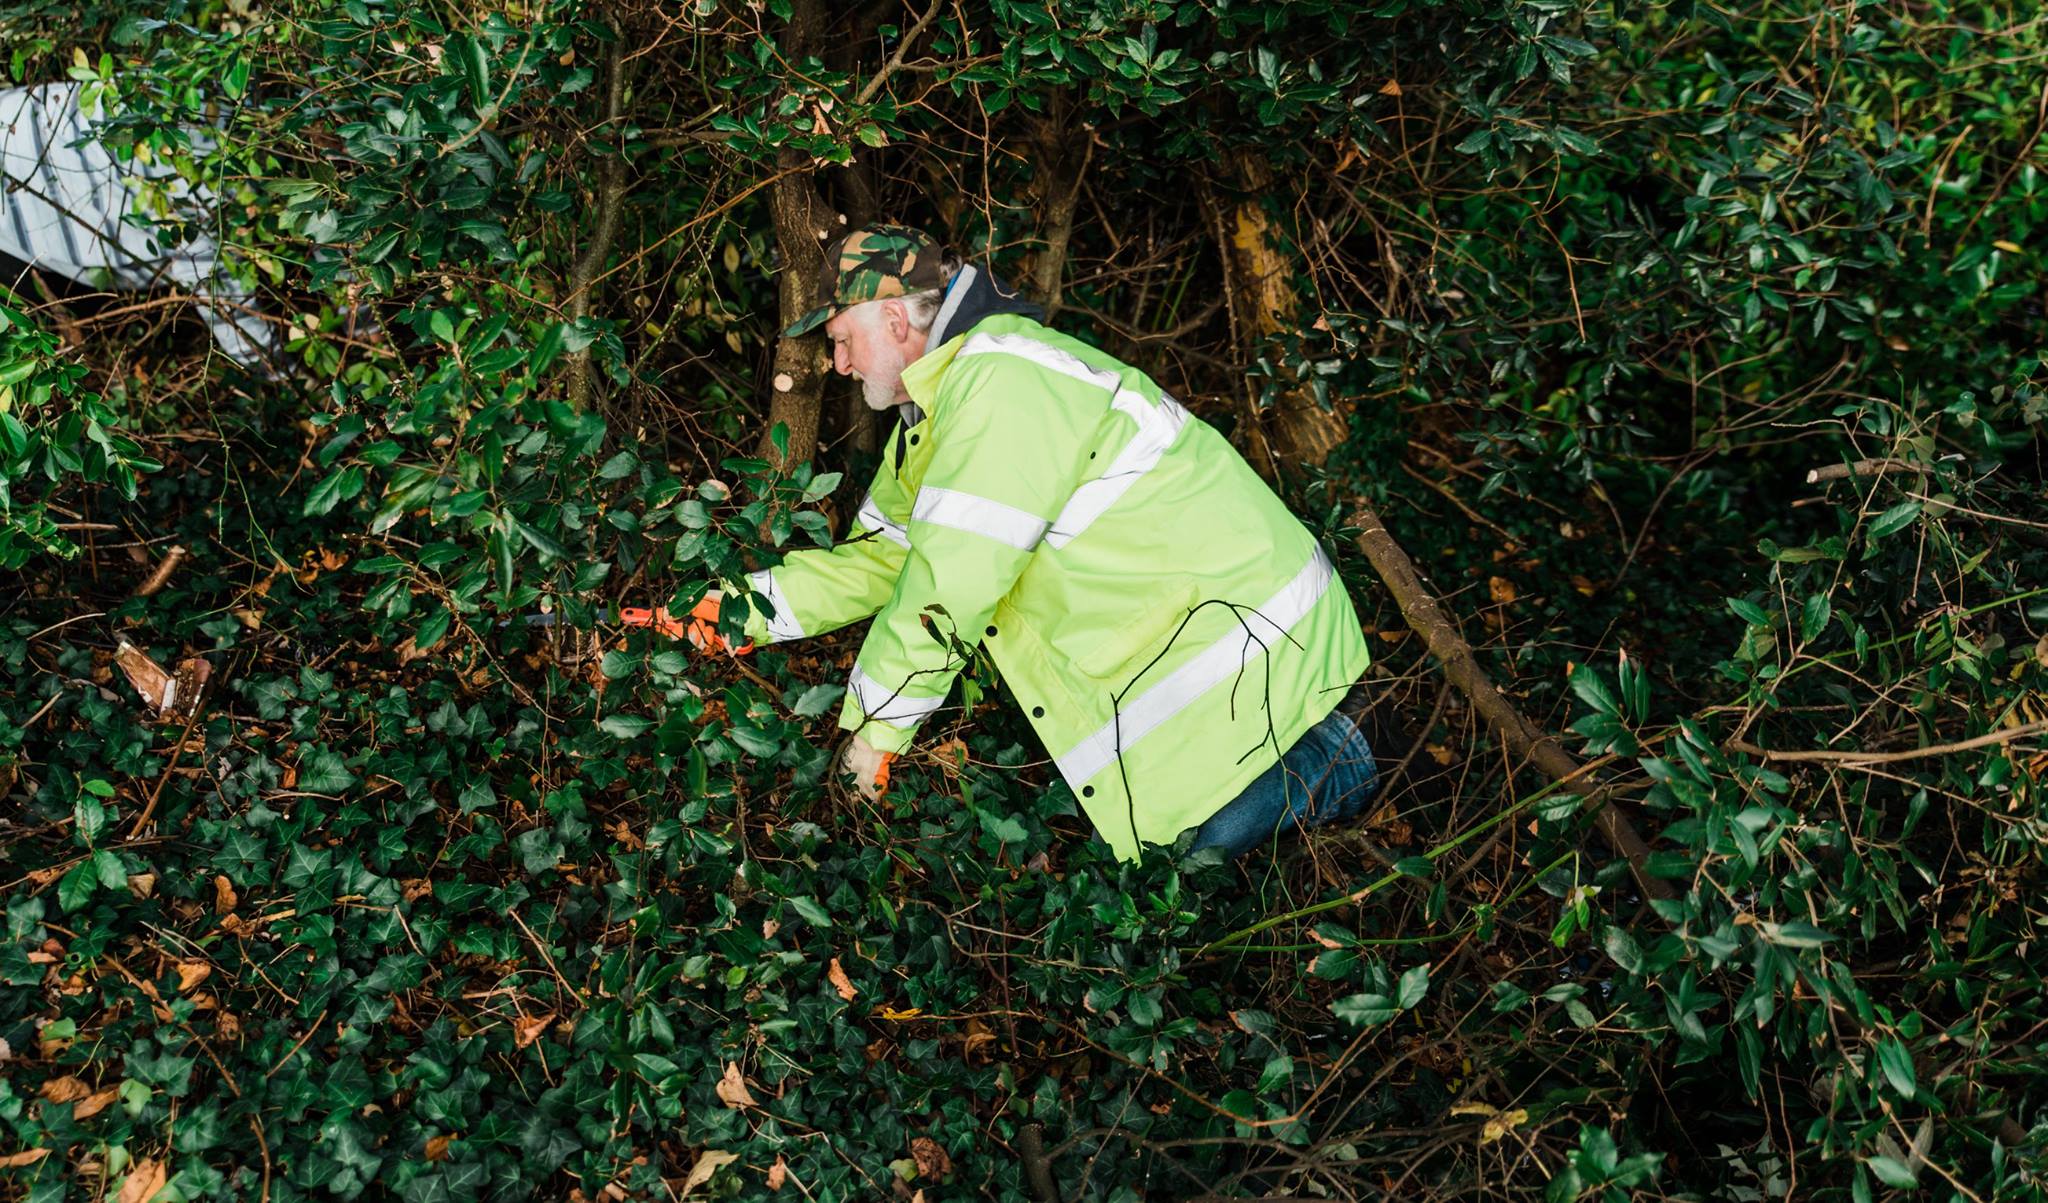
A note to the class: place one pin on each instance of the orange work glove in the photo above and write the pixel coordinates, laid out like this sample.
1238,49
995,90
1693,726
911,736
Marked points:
700,627
867,765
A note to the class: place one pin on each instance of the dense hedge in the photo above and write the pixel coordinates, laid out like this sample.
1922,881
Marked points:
432,902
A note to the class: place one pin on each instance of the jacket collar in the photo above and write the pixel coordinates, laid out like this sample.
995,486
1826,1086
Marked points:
921,378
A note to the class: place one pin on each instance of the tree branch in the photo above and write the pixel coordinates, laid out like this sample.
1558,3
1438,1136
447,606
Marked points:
1825,756
1522,737
895,63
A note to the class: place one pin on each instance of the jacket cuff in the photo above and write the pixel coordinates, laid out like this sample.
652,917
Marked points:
759,628
881,736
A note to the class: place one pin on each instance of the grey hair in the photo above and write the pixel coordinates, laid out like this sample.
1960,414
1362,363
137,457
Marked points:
922,308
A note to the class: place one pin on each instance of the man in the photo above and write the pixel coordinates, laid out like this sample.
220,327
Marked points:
1178,639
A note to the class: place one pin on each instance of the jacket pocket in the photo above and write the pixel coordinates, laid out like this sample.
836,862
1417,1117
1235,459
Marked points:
1126,649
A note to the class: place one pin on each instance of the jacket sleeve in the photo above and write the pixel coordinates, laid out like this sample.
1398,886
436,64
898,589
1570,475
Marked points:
1003,463
815,591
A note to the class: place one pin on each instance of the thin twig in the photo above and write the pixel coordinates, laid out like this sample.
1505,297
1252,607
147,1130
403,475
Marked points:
895,63
2003,735
1861,467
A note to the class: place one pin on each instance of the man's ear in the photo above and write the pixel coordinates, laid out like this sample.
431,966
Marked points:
898,318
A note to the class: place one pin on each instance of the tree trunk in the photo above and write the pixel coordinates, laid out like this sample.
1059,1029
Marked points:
1258,280
857,190
1061,151
610,197
802,222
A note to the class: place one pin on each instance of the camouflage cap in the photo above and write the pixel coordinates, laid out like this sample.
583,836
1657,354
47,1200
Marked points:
871,265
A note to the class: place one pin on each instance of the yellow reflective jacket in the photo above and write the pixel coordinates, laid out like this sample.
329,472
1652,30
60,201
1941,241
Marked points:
1169,627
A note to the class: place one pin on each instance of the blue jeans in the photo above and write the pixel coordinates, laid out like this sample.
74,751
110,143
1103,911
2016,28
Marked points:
1327,776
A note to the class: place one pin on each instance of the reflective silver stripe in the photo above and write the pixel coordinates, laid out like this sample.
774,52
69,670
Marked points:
871,516
1158,427
878,701
1049,357
955,293
1258,632
979,515
784,625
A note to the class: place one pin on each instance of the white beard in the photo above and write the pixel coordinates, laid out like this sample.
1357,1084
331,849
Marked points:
879,389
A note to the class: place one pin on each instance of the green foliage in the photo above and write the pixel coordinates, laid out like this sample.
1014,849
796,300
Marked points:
435,903
53,435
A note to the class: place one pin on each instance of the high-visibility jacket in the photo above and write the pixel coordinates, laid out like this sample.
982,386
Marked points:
1169,627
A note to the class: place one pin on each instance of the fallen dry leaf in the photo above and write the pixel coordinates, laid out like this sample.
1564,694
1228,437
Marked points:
951,755
143,1182
157,687
768,928
837,977
67,1089
14,1161
709,1162
1501,589
224,897
95,1103
527,1028
437,1147
191,973
976,1038
732,1089
142,885
932,1161
777,1173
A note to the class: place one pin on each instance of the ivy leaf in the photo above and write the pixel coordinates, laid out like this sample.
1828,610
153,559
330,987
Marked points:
808,907
322,771
817,700
624,726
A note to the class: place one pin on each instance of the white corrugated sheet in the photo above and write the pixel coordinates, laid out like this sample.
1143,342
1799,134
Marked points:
66,206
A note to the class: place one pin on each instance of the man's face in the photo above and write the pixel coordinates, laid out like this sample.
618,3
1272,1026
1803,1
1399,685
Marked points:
873,343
